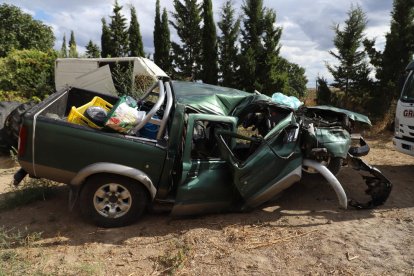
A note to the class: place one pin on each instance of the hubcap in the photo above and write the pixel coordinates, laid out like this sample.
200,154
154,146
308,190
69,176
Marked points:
112,200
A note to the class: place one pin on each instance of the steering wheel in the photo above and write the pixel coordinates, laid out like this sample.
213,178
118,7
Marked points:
156,106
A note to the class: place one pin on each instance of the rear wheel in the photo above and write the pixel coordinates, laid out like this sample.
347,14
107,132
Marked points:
113,201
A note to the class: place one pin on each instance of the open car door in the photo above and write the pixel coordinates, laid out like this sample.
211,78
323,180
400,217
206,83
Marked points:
206,185
274,165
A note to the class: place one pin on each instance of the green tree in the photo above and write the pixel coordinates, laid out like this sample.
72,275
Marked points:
187,55
209,45
227,44
92,50
64,50
119,33
73,52
323,93
157,34
374,55
390,64
29,72
136,47
261,67
352,73
105,40
251,44
19,30
271,72
399,47
296,79
165,44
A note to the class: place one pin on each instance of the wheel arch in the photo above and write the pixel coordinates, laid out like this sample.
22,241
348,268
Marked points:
114,169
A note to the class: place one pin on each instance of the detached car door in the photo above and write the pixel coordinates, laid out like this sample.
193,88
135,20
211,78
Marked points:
273,166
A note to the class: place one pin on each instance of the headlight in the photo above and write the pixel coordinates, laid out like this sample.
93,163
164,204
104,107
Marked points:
397,126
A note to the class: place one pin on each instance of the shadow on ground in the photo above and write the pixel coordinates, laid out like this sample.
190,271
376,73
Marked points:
312,200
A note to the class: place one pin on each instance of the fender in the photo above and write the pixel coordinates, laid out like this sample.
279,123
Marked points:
332,180
114,169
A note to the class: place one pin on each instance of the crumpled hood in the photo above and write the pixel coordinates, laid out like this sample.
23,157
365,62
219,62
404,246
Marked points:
354,116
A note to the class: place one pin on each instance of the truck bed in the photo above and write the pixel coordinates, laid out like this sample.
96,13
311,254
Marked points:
56,149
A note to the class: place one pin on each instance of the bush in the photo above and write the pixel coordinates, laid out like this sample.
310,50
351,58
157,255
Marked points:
9,96
323,92
30,72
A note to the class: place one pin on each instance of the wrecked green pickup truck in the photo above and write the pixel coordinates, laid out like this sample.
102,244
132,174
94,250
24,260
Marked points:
216,149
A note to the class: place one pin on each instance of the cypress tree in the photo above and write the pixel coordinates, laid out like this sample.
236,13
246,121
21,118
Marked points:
136,48
271,74
105,40
165,44
92,50
187,55
64,49
73,53
209,45
352,73
230,30
119,34
157,34
399,47
251,46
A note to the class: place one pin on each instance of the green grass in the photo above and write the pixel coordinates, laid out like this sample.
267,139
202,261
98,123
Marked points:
87,269
30,191
12,238
174,259
11,262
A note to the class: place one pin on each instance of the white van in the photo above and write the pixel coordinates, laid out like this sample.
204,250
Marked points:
404,117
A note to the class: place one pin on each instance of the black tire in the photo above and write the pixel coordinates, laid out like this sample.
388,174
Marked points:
96,194
14,120
6,142
335,165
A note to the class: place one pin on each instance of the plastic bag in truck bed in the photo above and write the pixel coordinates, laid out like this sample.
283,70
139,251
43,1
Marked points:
124,115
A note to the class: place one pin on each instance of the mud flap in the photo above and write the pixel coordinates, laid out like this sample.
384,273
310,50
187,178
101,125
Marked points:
379,187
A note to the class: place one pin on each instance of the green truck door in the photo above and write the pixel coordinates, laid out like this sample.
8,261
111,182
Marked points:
206,184
272,167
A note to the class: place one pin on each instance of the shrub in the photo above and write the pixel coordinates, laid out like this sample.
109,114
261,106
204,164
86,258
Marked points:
30,72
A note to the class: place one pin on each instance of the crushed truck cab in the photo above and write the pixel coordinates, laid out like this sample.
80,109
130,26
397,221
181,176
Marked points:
216,149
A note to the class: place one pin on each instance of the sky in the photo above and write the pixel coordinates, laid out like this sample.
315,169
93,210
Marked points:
307,24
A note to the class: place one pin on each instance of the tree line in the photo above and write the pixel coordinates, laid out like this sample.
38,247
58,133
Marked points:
237,51
245,55
368,79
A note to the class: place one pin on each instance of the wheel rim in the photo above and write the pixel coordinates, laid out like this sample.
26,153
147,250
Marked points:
112,200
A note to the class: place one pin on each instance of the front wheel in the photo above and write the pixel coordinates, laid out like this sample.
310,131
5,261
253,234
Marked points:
113,201
335,165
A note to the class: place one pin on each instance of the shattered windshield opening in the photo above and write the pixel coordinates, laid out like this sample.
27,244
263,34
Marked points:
408,91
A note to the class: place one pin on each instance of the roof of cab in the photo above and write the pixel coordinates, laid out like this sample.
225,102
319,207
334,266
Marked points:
210,99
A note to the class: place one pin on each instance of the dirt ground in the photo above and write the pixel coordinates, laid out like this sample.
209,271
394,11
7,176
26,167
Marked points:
303,232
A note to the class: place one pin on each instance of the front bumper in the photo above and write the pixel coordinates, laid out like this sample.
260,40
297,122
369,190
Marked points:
403,146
